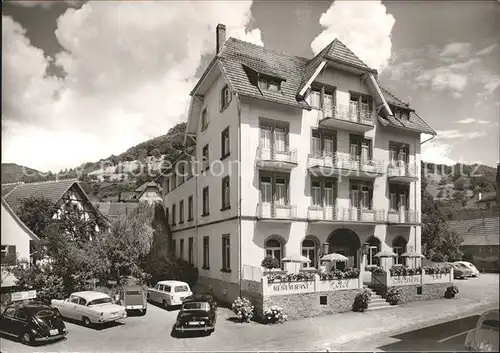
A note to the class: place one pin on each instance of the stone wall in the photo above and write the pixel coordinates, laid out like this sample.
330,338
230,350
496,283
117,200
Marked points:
409,293
224,292
297,306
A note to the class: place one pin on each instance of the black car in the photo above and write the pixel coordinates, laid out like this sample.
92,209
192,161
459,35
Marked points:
198,313
32,322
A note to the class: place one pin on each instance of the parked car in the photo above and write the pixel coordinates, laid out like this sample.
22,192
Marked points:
169,293
133,297
459,270
198,313
90,308
484,338
474,270
32,322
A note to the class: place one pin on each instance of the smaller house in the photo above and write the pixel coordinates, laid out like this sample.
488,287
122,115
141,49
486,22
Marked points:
487,200
113,210
149,192
481,241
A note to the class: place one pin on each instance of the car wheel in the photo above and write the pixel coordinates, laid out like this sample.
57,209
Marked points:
165,305
86,321
26,339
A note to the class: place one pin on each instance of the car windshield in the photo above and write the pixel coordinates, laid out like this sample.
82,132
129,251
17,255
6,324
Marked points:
181,289
100,301
196,306
460,266
45,313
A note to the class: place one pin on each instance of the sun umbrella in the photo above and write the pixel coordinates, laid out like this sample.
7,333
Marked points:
296,258
386,254
334,257
412,254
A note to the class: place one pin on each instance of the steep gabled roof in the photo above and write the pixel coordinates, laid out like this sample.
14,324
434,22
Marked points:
479,231
147,185
337,51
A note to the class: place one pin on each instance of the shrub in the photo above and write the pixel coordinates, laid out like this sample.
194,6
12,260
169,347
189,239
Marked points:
290,277
451,291
172,269
243,309
361,301
339,274
394,296
274,315
377,270
405,271
436,270
270,262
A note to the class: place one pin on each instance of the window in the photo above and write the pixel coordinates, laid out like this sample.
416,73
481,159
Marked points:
274,248
204,119
274,189
206,252
75,300
190,250
323,193
167,185
206,201
373,249
174,248
167,215
269,84
274,136
398,197
309,251
10,312
82,302
180,172
322,97
189,170
226,198
205,158
323,143
316,193
173,214
398,153
360,148
360,106
399,248
21,315
8,255
225,97
224,142
181,211
361,195
190,208
167,289
400,113
226,260
181,250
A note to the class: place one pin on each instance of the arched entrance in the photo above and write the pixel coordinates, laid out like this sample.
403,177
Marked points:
346,242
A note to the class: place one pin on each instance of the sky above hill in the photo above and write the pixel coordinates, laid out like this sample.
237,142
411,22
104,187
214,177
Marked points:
84,80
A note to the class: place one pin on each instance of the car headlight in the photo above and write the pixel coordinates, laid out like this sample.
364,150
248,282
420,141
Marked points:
202,322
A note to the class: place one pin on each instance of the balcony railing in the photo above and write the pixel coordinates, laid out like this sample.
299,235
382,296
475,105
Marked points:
350,214
276,158
355,166
403,216
276,211
348,114
402,170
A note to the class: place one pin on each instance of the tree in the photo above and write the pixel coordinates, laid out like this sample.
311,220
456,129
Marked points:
440,194
460,184
36,213
155,152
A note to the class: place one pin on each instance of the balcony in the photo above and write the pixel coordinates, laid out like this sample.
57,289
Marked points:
276,212
345,118
401,172
345,215
403,217
342,164
272,159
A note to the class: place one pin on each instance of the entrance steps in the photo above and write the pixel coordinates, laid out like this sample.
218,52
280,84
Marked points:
377,301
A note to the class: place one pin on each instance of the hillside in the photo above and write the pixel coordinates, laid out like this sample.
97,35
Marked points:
13,173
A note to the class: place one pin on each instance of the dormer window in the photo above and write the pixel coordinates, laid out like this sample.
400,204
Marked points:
269,84
204,119
401,114
225,97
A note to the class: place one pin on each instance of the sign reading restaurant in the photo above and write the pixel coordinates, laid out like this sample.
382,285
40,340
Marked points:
291,288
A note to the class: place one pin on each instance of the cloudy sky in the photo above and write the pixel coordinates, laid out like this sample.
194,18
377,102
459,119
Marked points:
84,80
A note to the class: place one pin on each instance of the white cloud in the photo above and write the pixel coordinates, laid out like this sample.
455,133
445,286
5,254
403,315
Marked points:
363,26
487,50
455,134
473,121
455,51
129,70
437,153
43,3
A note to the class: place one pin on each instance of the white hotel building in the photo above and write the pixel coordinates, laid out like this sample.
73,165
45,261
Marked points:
305,156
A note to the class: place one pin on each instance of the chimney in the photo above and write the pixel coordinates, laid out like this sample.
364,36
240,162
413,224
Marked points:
221,37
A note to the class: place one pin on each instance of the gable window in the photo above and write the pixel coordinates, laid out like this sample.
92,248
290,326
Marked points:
181,211
224,142
226,253
269,84
323,192
323,143
322,97
401,114
398,197
226,198
173,214
206,252
274,136
181,250
204,119
225,97
360,106
206,201
361,194
274,188
190,208
190,250
205,157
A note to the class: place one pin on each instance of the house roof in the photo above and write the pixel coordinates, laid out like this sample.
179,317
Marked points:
242,62
479,231
149,184
116,209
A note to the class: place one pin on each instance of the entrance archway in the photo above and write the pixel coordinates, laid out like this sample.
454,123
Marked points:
346,242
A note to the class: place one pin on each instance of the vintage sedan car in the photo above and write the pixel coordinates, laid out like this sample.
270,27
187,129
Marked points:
459,270
484,338
198,313
132,297
32,322
90,308
169,293
474,270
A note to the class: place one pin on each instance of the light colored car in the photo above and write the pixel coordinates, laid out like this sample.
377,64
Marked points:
90,308
484,338
169,293
132,297
474,270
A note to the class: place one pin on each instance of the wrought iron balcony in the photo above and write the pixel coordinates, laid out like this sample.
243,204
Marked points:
348,215
403,216
274,159
276,212
343,164
402,172
346,118
322,213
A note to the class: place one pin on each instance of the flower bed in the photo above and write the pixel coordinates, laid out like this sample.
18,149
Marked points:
404,271
339,274
375,270
290,277
435,270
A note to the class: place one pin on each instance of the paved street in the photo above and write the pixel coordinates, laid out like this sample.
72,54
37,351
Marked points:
336,332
